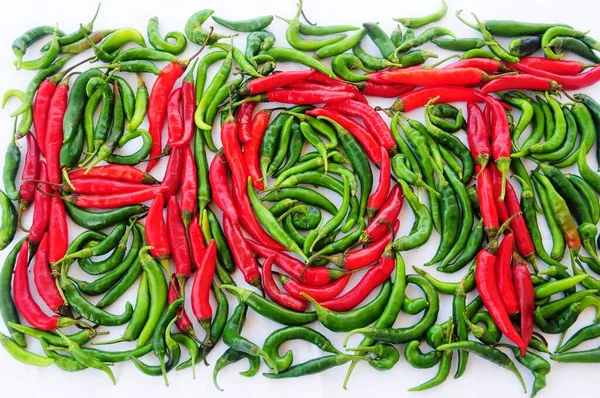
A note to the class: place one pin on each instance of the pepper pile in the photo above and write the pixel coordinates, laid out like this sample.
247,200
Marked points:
470,197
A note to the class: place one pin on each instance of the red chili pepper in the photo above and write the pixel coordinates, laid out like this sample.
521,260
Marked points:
319,293
244,121
115,200
576,82
252,147
385,90
180,250
31,171
305,85
41,211
234,156
312,276
45,282
274,81
478,135
284,299
389,212
115,172
374,277
497,184
365,139
302,97
197,243
58,230
432,77
219,186
526,296
319,77
102,186
156,232
523,239
201,287
487,65
174,119
487,203
157,106
487,116
421,97
520,82
189,186
183,322
485,278
243,256
363,257
173,174
378,196
54,131
372,120
188,107
501,144
566,67
504,274
41,104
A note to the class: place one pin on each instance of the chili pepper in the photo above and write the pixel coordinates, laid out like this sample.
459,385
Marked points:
172,177
22,355
487,65
157,233
576,118
12,161
220,187
582,335
183,322
460,44
244,258
245,122
294,39
553,32
313,366
301,97
425,20
523,239
189,187
432,77
419,98
448,287
520,82
559,133
101,220
56,112
459,304
44,281
525,294
161,44
385,91
117,172
214,231
589,175
233,154
343,64
588,193
488,208
282,148
504,274
178,243
388,212
8,309
284,299
576,82
174,120
204,188
305,195
204,99
281,54
158,294
201,288
558,241
231,356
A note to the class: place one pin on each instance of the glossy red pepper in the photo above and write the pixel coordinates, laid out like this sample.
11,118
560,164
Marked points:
54,130
58,230
200,297
487,65
497,184
501,143
157,106
274,81
504,274
41,104
189,186
242,254
183,322
284,299
197,242
523,239
220,187
173,173
115,200
365,139
478,135
252,147
234,156
115,172
576,82
244,121
432,77
520,82
188,107
41,211
174,119
318,293
45,283
421,97
306,85
385,90
180,249
378,196
102,186
566,67
303,97
526,296
388,214
156,232
487,203
31,171
487,118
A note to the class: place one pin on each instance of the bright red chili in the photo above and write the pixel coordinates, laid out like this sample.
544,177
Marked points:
200,297
284,299
102,186
115,172
566,67
501,144
244,121
173,173
234,156
41,104
304,97
487,203
156,231
487,118
385,90
477,135
197,242
432,77
526,296
45,282
306,85
31,171
58,230
54,130
189,186
523,239
504,274
487,65
188,107
174,119
389,212
157,106
365,139
421,97
252,147
576,82
378,196
180,250
183,322
242,254
115,200
41,211
219,186
274,81
319,293
520,82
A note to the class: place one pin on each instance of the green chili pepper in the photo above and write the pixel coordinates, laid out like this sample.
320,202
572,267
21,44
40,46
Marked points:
158,294
450,219
445,365
217,82
556,31
21,354
85,358
231,356
423,226
21,43
239,57
490,334
341,46
371,62
12,161
313,366
249,25
292,34
424,37
26,120
493,45
8,221
8,309
257,41
558,241
63,362
589,195
343,64
426,20
156,41
195,33
460,44
223,250
448,288
472,248
281,54
46,59
301,194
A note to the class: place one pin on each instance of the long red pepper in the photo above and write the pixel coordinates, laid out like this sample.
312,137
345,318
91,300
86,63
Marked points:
312,276
174,119
102,186
180,249
157,106
54,131
274,81
115,200
432,77
501,144
31,171
156,232
41,212
183,322
244,121
526,296
487,203
242,254
385,90
387,215
365,139
378,196
305,85
523,239
566,67
520,82
45,282
504,274
116,172
576,82
188,107
487,65
303,97
477,135
319,77
58,230
372,120
173,173
421,97
197,242
234,156
200,297
485,278
41,104
374,277
219,186
319,293
497,185
487,118
189,186
284,299
252,147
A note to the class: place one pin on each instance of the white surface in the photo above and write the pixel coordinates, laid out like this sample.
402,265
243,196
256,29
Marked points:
481,378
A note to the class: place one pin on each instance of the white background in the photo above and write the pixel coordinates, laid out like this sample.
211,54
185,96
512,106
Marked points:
482,378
